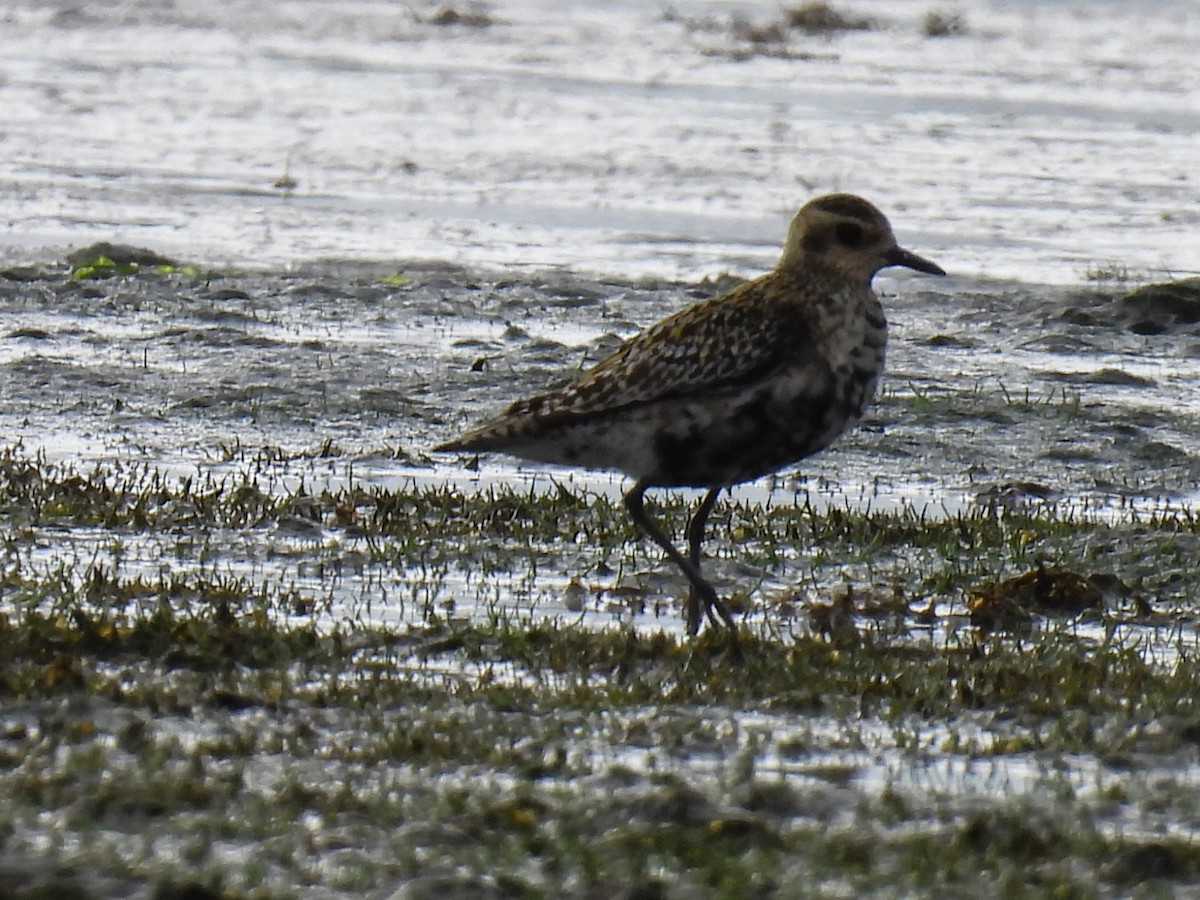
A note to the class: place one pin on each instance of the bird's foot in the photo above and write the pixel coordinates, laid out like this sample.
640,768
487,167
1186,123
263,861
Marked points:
706,604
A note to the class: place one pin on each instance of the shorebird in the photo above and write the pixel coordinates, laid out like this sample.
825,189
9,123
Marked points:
730,388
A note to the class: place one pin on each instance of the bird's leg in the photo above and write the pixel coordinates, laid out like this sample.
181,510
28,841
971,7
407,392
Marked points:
701,589
696,524
695,537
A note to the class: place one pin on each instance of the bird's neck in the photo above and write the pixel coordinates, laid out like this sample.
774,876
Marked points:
801,270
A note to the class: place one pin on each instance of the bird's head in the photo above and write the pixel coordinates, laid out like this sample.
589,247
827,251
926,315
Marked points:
847,234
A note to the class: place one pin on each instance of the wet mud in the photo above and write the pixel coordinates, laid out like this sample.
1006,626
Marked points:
987,384
256,640
232,554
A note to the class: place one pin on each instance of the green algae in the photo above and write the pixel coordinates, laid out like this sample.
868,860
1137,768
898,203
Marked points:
234,734
183,713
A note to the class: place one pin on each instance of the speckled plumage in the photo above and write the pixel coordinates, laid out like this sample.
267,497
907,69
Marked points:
730,388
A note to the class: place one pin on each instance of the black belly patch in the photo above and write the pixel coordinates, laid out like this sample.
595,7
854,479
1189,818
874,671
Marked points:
680,457
754,439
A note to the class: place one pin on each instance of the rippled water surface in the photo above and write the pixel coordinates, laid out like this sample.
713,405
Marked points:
557,169
626,138
395,227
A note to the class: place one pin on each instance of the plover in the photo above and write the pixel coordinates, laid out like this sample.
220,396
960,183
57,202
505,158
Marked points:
730,388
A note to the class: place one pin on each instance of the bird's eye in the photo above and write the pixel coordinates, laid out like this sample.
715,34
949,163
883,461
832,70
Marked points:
848,234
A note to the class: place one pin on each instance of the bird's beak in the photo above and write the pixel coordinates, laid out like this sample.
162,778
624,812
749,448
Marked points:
898,256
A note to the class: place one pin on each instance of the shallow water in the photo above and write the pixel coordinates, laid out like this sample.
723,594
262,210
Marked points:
573,173
333,376
1043,143
628,139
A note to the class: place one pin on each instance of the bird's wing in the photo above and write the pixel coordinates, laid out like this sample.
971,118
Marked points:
732,339
735,338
